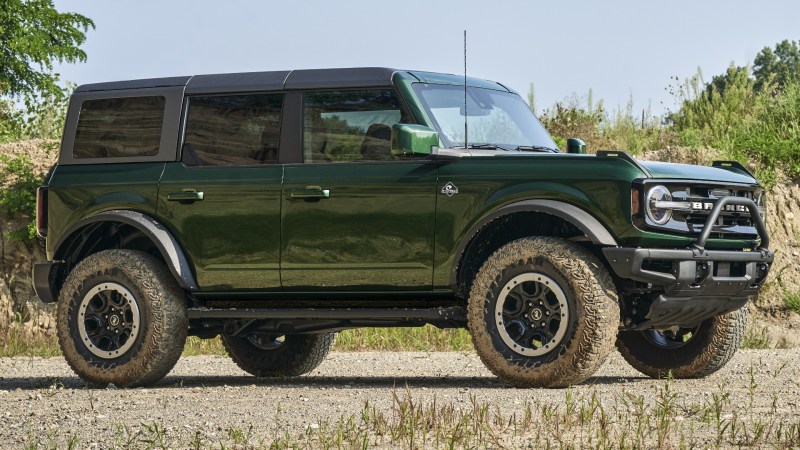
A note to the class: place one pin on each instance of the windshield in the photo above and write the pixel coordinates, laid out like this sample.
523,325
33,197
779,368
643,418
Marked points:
493,117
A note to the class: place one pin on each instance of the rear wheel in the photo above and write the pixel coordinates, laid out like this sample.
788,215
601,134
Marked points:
687,352
269,355
121,319
543,313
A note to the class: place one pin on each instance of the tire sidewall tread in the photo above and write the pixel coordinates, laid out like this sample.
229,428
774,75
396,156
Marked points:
714,345
594,313
298,355
163,325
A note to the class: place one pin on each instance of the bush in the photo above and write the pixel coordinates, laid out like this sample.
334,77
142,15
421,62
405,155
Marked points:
18,193
37,117
603,131
772,138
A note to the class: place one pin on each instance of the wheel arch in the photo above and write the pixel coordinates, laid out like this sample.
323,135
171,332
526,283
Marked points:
75,242
560,219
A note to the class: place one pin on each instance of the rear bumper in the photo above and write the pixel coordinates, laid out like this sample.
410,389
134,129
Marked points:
44,280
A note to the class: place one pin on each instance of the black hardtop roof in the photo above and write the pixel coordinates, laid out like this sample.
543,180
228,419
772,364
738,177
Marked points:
262,81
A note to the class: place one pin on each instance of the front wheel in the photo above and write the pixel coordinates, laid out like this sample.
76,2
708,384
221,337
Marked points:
686,352
268,355
543,313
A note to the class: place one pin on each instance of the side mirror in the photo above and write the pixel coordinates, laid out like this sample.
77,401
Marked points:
575,145
413,139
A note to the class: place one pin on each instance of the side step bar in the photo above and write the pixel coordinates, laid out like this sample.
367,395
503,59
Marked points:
400,314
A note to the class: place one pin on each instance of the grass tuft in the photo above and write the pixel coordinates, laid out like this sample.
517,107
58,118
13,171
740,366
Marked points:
793,301
755,339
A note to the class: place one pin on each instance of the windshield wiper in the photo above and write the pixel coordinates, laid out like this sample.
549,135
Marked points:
536,148
487,147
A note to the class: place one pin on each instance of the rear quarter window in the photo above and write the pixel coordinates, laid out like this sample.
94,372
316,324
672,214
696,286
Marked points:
119,127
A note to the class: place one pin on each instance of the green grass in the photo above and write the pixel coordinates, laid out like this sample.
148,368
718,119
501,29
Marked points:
793,301
16,341
427,338
755,339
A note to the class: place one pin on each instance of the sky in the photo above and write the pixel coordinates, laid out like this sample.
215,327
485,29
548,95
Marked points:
620,49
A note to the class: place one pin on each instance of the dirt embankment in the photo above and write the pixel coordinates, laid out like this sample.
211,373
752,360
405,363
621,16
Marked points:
19,305
17,298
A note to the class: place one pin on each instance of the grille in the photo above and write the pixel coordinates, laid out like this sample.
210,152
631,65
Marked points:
729,223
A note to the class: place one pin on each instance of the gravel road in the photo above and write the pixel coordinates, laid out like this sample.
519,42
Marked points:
208,401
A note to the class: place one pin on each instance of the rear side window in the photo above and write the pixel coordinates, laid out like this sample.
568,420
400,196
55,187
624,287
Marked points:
119,127
233,130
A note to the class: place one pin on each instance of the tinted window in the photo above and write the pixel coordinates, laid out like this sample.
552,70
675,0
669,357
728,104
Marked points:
233,130
119,127
350,125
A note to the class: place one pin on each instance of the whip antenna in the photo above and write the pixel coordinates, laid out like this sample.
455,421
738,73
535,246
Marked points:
465,89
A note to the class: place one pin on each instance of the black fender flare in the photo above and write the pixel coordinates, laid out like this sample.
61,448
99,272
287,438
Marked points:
578,217
164,240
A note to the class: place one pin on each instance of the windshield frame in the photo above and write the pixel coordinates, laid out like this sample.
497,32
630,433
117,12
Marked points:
543,136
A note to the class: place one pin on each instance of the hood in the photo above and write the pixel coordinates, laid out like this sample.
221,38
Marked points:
691,172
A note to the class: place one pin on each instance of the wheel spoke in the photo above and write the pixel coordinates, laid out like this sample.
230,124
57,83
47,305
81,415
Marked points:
536,327
93,324
515,304
266,341
517,329
108,324
671,338
551,303
527,338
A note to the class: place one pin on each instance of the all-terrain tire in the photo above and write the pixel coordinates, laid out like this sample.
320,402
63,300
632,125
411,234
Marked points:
711,346
125,284
589,307
296,355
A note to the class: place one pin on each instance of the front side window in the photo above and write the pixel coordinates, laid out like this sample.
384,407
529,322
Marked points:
493,117
348,126
233,130
119,127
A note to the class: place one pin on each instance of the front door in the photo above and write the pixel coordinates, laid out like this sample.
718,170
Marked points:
355,216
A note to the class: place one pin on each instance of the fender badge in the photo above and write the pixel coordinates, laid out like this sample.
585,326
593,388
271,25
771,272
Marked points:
449,189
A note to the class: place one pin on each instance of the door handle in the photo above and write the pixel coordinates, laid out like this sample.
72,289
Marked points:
185,196
310,192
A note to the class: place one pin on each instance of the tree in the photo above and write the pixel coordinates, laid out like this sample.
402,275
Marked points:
780,67
33,36
733,75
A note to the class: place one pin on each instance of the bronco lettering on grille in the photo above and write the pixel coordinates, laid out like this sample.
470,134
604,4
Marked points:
709,206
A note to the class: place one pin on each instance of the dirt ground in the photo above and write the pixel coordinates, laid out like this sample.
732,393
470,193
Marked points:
209,402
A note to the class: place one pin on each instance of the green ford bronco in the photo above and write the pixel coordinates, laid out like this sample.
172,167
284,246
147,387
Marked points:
274,209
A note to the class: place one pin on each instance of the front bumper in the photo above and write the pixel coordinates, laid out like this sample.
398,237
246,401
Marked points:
694,284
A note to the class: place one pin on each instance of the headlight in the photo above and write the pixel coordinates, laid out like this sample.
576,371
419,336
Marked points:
658,215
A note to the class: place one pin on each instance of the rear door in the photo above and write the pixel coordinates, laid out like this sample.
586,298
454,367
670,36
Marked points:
222,200
355,216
